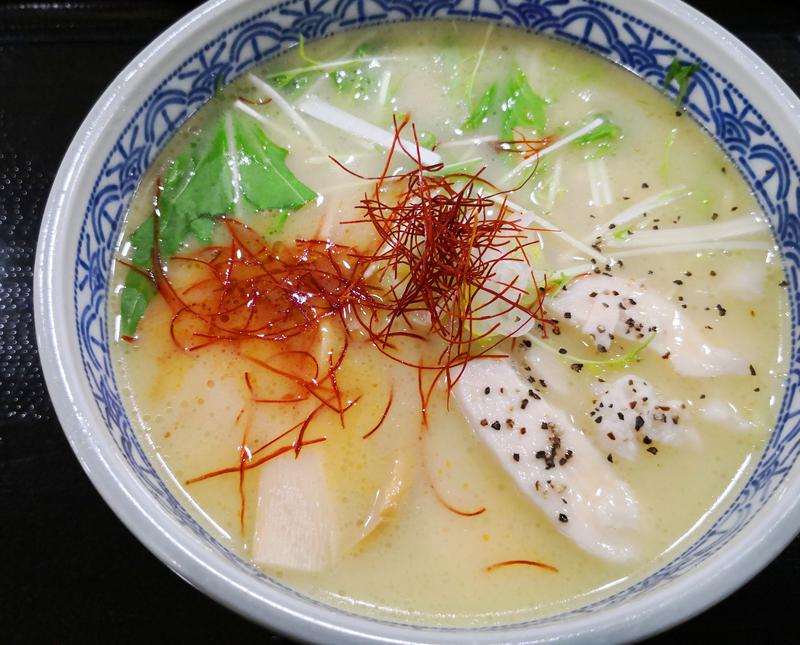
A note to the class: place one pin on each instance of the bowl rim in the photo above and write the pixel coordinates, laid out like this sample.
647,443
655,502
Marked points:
651,612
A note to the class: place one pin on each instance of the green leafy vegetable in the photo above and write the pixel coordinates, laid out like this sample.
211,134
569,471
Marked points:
481,109
522,106
597,364
357,79
680,72
138,292
294,81
426,139
234,157
621,233
601,140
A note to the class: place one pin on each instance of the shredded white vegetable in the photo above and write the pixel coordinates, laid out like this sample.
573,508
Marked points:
352,124
383,92
541,221
233,164
374,61
599,183
695,247
739,227
472,141
284,106
652,203
255,114
580,132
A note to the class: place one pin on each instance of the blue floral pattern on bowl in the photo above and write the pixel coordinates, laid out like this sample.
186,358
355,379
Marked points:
712,99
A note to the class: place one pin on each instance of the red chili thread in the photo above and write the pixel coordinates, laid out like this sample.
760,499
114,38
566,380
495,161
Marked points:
532,563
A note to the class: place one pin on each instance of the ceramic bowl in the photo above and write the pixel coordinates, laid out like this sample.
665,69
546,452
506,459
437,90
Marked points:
735,96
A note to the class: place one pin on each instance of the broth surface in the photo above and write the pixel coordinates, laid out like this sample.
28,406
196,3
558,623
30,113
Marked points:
428,565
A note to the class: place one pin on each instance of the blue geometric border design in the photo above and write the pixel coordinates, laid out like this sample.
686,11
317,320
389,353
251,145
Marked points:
713,100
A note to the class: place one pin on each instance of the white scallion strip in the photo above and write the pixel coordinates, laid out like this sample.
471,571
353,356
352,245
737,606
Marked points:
572,271
474,141
352,124
599,182
541,221
249,111
233,164
284,106
695,247
373,61
580,132
739,227
652,203
481,52
555,184
383,91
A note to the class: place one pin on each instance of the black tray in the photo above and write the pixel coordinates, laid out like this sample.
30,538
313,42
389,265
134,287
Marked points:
69,571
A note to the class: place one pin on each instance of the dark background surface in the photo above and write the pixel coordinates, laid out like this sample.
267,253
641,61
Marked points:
69,571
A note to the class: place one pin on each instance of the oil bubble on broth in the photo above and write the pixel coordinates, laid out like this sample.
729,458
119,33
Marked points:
449,323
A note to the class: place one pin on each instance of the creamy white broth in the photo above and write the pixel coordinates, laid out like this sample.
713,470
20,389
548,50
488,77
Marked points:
427,564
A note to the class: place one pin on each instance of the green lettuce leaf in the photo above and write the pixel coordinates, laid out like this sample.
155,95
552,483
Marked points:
601,140
523,107
481,109
680,72
136,295
199,186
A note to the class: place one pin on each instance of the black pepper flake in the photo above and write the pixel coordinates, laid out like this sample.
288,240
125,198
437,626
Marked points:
645,184
540,454
523,430
610,458
515,456
567,315
524,404
598,419
638,423
752,371
722,311
620,416
652,450
647,440
527,343
562,351
563,518
783,283
496,425
487,390
611,436
678,282
545,426
577,367
665,356
714,216
712,273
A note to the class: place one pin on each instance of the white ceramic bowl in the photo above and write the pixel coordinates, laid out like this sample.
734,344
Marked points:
735,96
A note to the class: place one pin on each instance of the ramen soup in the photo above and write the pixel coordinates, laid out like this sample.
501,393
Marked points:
450,324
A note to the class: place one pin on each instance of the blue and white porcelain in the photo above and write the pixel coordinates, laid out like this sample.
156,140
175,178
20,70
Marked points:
735,96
